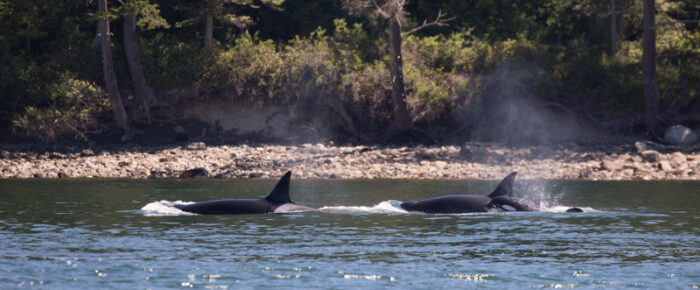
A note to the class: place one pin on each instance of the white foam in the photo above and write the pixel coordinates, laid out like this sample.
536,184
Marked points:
563,208
165,208
384,207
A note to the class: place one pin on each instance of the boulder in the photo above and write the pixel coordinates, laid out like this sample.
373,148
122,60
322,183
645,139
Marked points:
651,155
195,173
611,165
680,135
158,174
664,165
197,146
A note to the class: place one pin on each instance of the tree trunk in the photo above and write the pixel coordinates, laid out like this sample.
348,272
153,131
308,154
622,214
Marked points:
120,118
651,90
613,20
28,40
402,121
143,92
208,32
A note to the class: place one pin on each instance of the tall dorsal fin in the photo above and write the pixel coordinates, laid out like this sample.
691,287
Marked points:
505,188
280,194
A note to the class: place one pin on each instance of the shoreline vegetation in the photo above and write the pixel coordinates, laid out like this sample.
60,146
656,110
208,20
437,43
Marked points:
360,72
637,161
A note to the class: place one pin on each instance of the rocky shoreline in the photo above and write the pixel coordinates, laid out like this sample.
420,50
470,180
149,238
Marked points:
639,161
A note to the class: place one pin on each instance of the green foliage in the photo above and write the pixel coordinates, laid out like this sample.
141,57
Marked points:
170,63
71,114
367,96
148,13
229,12
247,71
20,85
312,57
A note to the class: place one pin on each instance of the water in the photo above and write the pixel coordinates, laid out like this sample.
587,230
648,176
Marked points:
94,234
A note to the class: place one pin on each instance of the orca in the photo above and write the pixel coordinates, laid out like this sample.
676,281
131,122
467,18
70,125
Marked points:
277,201
500,199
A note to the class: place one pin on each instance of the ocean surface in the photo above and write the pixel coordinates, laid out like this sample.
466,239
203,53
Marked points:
125,234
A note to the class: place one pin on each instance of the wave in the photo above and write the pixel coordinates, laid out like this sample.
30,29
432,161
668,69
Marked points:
563,208
384,207
165,208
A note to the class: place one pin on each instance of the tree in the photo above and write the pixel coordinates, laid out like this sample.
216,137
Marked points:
118,112
224,11
651,89
613,13
149,18
27,20
393,12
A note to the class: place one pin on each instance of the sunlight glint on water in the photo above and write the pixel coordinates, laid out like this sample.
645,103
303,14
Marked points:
126,234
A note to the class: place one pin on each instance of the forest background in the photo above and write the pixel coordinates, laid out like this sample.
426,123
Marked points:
347,71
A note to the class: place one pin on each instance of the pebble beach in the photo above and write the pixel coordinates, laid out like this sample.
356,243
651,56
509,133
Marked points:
639,161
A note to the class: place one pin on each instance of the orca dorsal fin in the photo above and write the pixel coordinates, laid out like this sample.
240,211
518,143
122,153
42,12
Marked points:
280,194
505,188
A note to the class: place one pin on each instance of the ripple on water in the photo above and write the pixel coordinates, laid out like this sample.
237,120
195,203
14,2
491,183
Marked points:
644,241
471,277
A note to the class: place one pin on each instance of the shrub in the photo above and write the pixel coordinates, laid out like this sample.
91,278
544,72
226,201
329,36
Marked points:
72,113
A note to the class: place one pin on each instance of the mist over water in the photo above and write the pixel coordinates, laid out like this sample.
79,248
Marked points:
515,114
539,192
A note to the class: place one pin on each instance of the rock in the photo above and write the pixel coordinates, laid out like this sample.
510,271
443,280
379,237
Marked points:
680,135
62,174
440,164
424,154
640,146
168,159
465,153
678,157
87,152
585,173
651,155
158,174
197,146
611,165
255,175
56,155
195,173
679,161
665,165
124,163
4,154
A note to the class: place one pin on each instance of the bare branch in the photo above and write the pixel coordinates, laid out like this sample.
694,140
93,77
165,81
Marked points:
380,10
437,22
400,4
